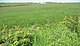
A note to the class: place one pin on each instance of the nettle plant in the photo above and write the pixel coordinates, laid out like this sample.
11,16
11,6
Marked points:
16,37
72,23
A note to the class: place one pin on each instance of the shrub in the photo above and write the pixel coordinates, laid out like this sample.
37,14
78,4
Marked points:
16,37
72,23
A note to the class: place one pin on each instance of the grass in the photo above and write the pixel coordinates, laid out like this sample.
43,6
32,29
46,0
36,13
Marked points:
37,13
38,24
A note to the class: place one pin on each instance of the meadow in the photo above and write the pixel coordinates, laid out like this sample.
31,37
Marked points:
31,24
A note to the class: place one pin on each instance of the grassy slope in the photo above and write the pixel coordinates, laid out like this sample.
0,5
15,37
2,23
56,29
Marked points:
37,13
52,34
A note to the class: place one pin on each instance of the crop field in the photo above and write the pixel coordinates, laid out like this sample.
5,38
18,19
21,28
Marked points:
32,24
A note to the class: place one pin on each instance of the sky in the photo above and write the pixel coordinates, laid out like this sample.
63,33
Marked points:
39,0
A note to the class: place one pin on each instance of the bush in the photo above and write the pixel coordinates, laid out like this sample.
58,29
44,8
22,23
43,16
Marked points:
16,38
72,23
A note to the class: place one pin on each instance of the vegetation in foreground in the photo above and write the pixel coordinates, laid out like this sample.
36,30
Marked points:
40,25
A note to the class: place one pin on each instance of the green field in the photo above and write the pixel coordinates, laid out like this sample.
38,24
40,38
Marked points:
51,24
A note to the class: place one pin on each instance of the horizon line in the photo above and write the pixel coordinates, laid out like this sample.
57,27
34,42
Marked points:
38,2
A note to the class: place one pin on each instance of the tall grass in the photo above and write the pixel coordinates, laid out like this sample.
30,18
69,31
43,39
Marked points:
40,25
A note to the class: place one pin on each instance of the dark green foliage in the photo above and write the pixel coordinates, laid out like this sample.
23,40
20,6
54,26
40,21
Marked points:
72,22
15,37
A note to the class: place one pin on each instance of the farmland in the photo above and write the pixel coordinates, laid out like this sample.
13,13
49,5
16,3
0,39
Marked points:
51,24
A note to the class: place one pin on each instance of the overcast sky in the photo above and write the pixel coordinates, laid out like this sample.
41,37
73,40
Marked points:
39,0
